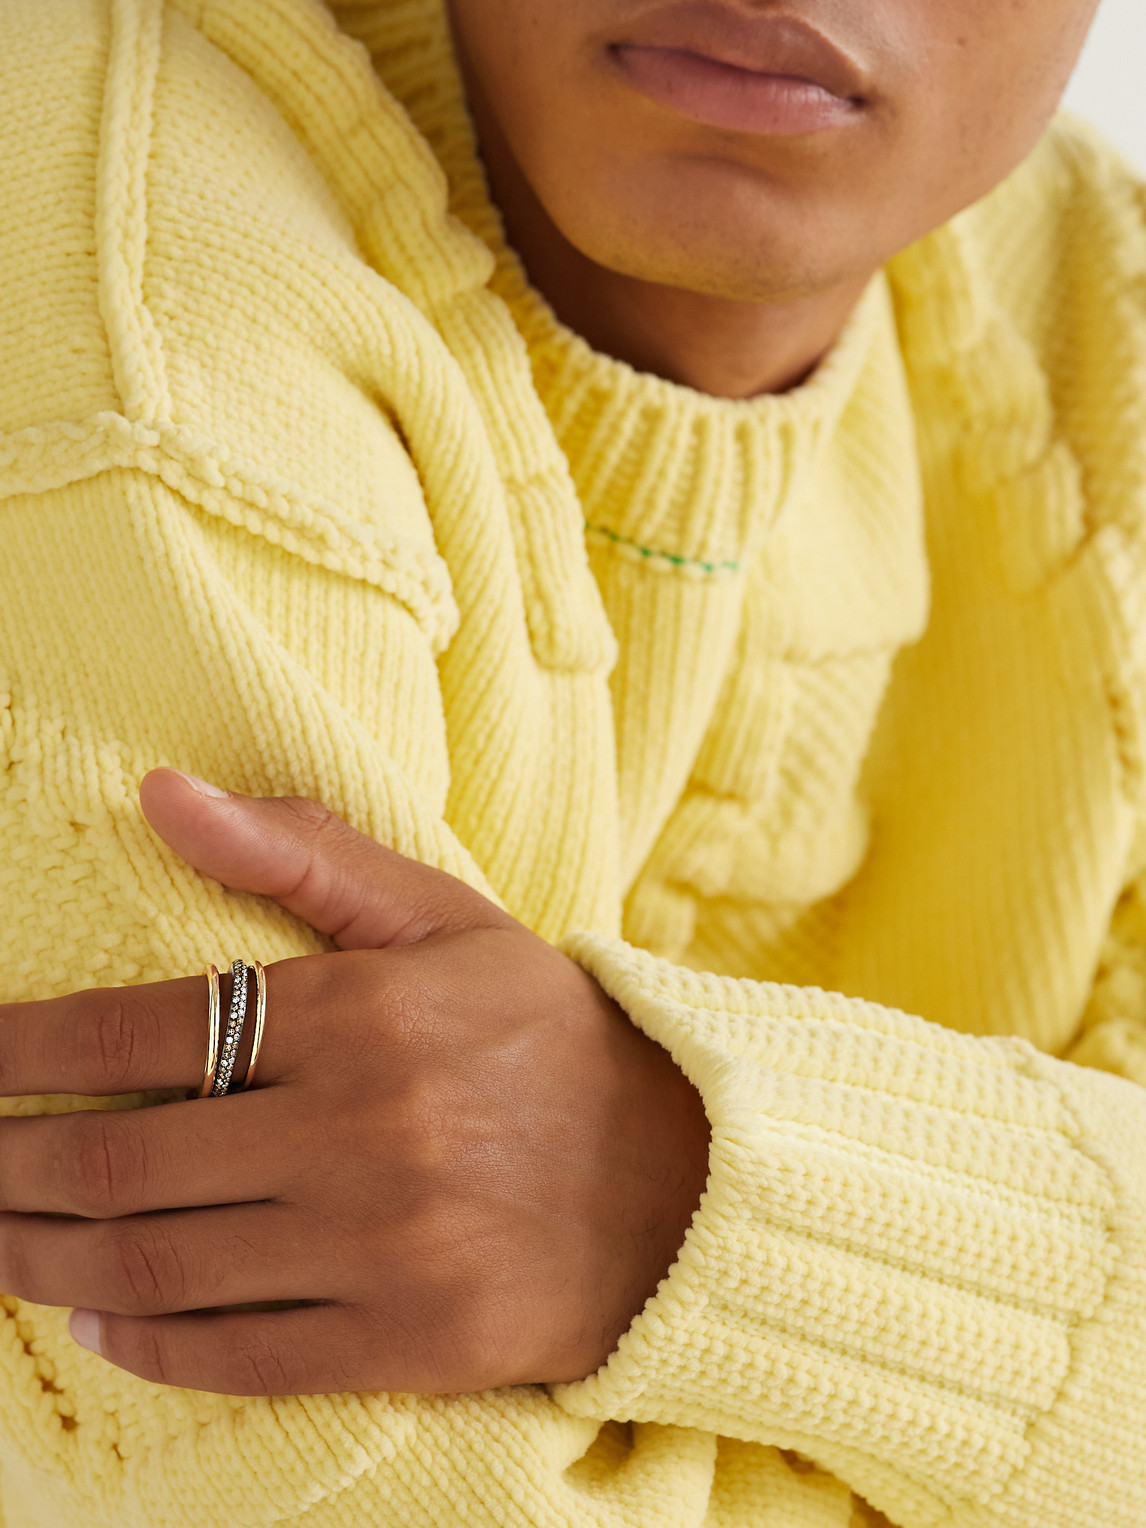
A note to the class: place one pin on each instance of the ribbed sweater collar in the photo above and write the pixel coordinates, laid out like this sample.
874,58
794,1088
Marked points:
657,465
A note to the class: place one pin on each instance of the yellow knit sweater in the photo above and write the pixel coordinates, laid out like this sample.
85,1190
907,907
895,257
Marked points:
841,690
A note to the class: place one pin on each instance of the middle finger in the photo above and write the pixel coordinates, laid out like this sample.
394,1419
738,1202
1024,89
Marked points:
103,1164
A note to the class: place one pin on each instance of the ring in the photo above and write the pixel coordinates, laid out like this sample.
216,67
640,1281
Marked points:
223,1047
260,1018
212,1032
236,1018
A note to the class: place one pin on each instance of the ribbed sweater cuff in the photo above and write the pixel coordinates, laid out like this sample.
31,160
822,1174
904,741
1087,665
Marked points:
919,1259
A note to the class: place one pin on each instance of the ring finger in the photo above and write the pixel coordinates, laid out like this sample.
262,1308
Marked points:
149,1265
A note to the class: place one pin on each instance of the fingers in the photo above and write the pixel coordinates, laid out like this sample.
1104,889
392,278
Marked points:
316,1350
105,1164
295,851
150,1265
106,1041
128,1039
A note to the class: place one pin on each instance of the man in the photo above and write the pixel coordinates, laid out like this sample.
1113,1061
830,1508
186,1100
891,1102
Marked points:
694,493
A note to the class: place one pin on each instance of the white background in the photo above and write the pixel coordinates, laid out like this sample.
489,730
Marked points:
1110,85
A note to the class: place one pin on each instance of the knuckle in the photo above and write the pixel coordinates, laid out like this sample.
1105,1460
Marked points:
418,1031
336,868
310,814
257,1367
466,1343
374,1013
106,1165
442,1237
479,1349
149,1358
147,1276
111,1043
424,1128
472,1318
324,830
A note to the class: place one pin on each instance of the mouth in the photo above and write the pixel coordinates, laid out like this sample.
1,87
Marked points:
764,74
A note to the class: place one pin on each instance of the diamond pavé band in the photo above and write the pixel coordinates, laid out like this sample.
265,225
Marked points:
236,1018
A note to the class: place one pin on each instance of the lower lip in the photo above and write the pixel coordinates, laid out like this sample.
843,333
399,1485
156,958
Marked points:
719,95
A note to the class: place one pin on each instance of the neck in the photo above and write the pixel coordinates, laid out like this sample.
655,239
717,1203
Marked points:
716,345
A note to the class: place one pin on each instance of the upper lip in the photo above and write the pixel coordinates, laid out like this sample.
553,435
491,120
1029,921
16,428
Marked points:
765,44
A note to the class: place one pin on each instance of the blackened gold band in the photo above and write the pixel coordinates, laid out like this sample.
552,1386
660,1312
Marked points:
236,1018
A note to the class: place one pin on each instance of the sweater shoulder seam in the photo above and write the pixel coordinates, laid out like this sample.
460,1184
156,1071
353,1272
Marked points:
124,160
206,474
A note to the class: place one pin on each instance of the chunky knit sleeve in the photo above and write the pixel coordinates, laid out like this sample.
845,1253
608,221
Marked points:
920,1260
217,548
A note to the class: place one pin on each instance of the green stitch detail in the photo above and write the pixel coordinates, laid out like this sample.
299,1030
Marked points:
669,557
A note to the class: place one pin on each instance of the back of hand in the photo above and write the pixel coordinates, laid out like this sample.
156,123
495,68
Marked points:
459,1161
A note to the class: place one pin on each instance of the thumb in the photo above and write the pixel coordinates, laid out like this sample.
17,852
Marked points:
317,866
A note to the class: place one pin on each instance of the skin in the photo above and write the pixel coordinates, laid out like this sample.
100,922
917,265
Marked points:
726,261
457,1149
460,1156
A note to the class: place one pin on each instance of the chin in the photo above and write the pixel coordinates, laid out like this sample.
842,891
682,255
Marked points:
715,234
729,262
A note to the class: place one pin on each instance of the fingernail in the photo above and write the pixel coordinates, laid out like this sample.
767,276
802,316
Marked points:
84,1326
204,787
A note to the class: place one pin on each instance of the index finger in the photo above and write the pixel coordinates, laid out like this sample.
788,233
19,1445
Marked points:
106,1040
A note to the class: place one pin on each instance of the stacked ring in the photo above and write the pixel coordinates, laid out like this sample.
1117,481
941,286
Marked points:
223,1049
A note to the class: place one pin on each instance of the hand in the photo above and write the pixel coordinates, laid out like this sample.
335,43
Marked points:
458,1152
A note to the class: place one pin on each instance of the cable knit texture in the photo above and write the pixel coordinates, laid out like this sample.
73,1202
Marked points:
748,704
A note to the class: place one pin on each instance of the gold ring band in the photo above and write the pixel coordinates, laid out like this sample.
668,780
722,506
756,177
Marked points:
213,1027
260,1018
